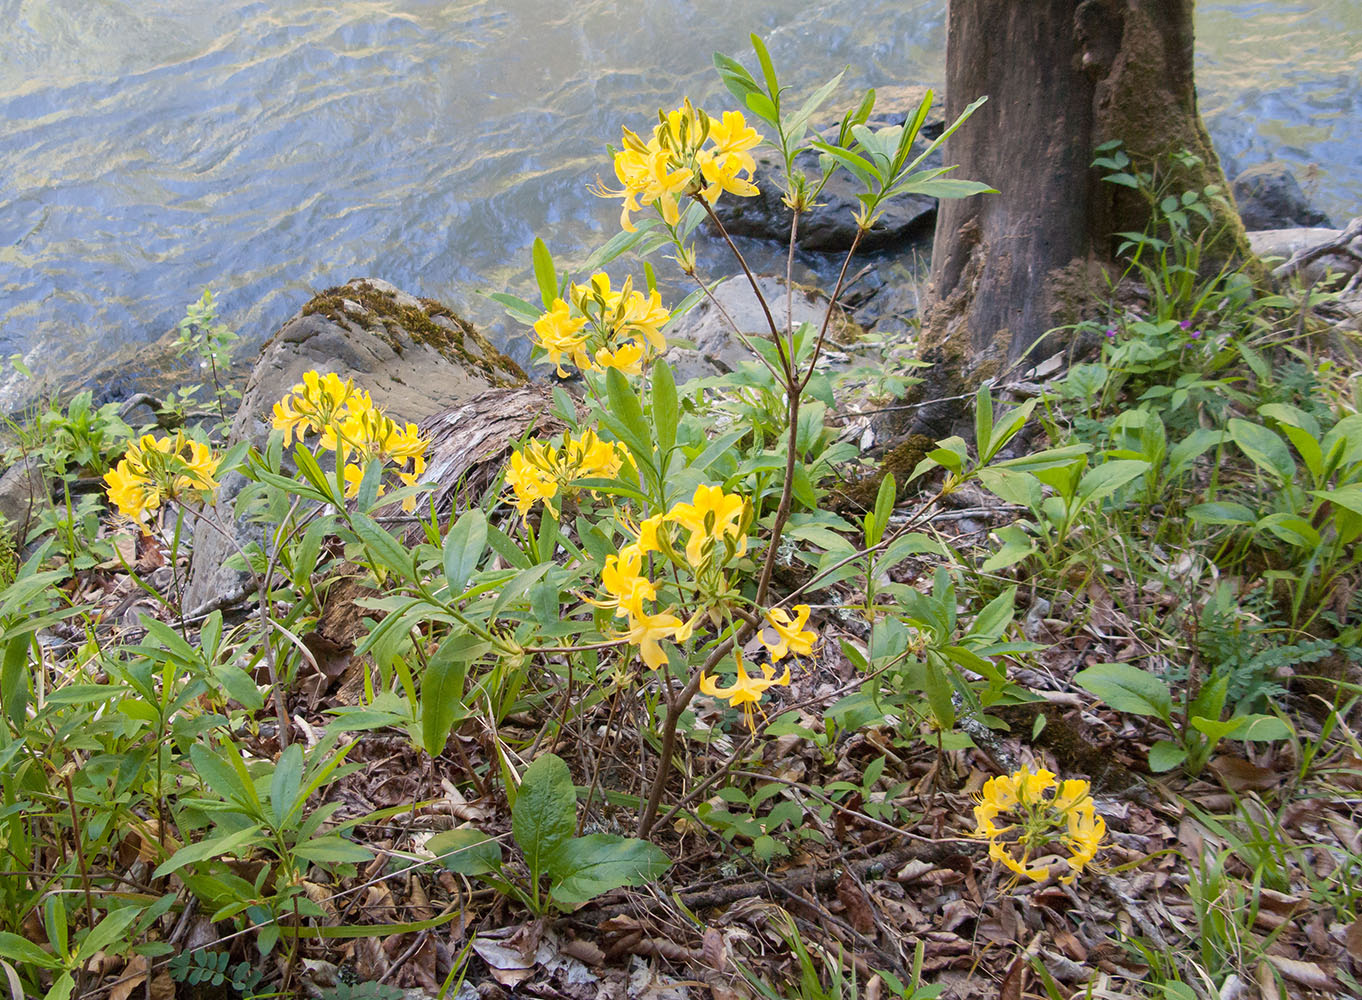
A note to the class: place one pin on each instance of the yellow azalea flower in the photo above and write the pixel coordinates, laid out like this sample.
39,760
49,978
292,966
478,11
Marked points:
647,632
530,485
746,690
623,581
540,471
628,359
676,162
711,515
1044,815
790,636
154,470
561,333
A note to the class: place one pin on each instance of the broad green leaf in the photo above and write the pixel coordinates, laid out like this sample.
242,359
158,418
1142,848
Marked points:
387,551
332,850
1349,497
1020,488
1221,512
212,847
626,408
1165,755
584,867
14,675
666,409
996,616
107,932
1292,529
466,852
544,274
25,952
284,784
545,812
463,548
442,688
1127,689
1260,728
1017,545
1103,480
1264,448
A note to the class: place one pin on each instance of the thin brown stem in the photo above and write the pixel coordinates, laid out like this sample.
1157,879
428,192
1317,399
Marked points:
792,393
785,362
832,304
675,706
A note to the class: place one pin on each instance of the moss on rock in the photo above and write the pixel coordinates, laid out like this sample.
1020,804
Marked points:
428,322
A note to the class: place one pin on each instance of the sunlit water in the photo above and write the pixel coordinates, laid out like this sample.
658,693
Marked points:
149,148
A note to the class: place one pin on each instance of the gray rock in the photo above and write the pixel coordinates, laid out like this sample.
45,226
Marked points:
1280,244
708,327
24,491
829,227
1269,197
415,357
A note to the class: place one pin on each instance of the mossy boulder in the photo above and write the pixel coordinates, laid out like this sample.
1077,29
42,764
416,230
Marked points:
415,357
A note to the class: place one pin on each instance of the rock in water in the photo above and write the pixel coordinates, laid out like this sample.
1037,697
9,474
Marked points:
829,226
415,357
1269,197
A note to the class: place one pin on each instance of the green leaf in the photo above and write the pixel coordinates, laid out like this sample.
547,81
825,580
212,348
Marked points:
1292,529
284,783
884,506
213,847
386,550
666,409
1221,512
466,852
25,952
1102,481
107,932
544,273
1348,497
442,688
767,68
1165,755
545,813
332,850
1259,728
1127,689
584,867
1020,488
627,409
1017,545
463,548
1264,448
14,679
996,616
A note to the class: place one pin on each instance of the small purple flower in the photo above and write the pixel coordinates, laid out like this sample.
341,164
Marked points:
1196,334
1186,324
1111,333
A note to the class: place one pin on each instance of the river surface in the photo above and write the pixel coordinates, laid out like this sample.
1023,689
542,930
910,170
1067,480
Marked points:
150,148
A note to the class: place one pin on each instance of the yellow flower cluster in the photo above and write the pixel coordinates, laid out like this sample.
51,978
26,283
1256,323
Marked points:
746,691
676,162
352,427
622,328
1041,814
157,469
541,471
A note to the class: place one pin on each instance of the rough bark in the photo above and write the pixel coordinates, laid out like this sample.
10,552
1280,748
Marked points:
1062,77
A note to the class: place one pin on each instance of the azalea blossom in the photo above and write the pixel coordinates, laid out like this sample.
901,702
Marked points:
790,636
745,692
1042,817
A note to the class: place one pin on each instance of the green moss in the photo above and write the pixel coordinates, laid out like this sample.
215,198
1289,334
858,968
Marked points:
899,462
453,337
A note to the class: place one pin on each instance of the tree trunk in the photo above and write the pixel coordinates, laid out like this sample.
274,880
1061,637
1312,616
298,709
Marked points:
1062,77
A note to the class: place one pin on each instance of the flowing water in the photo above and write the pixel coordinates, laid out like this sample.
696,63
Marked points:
150,148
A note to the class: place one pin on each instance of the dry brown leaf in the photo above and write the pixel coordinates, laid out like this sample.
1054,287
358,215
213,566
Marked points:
135,978
1240,775
1307,974
1353,937
859,911
1012,984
